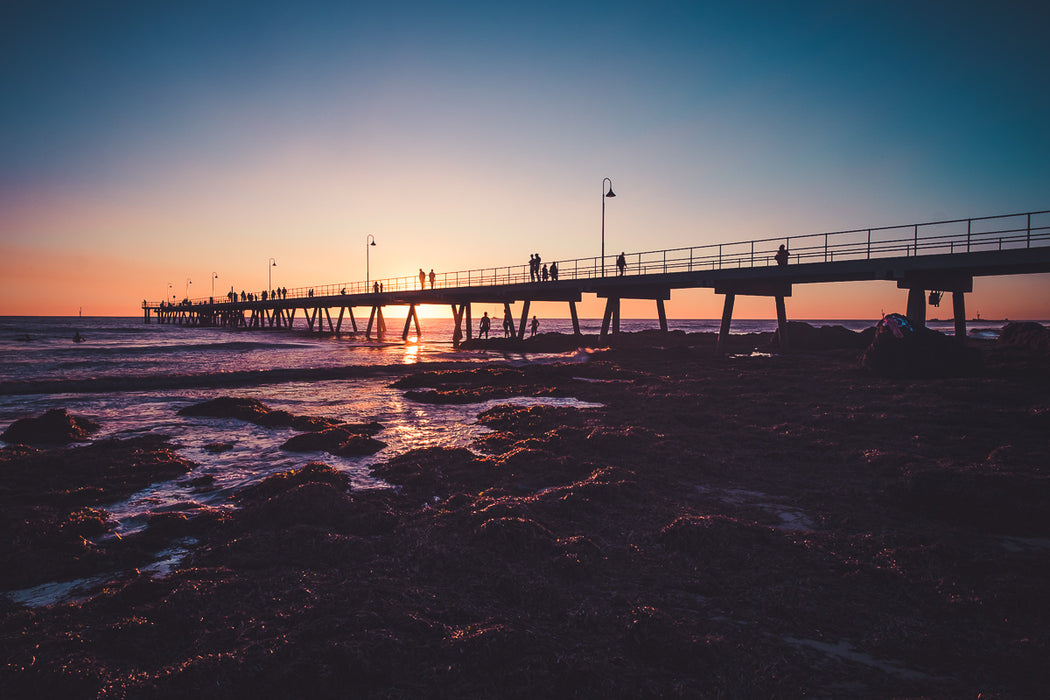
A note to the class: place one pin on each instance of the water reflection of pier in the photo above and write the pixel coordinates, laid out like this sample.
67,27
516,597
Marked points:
938,257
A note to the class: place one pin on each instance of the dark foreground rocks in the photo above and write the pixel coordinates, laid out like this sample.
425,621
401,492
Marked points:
254,411
738,527
51,506
54,427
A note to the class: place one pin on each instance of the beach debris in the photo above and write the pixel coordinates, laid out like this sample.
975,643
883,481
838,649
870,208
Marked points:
255,411
346,440
901,349
54,427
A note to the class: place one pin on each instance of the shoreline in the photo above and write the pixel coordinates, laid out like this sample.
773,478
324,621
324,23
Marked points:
769,525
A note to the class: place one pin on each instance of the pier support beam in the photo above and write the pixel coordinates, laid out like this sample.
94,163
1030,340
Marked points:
377,317
662,314
916,311
782,324
727,318
575,318
959,312
524,320
611,317
408,322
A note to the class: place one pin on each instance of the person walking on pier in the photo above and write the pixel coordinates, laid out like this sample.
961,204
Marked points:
554,272
532,267
544,275
432,277
621,264
483,326
422,279
782,256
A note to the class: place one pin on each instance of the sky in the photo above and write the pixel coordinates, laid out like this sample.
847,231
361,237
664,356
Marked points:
147,147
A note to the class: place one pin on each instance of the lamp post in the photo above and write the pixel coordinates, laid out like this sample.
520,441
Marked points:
188,283
370,241
269,270
214,276
605,196
170,294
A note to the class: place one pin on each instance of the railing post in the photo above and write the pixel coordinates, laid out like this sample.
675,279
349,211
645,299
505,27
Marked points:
1028,233
969,228
690,259
869,244
916,239
825,247
665,262
719,256
752,253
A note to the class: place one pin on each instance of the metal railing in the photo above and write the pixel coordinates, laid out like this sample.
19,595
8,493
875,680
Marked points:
1005,232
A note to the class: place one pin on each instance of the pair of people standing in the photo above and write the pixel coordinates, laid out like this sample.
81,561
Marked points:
423,278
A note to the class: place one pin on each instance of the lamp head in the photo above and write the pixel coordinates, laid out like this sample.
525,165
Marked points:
372,243
610,193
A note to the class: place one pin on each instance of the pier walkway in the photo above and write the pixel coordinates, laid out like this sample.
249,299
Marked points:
934,257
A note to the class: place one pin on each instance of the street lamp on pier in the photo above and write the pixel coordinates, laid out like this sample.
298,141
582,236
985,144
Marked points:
188,283
605,196
269,271
170,293
370,241
214,276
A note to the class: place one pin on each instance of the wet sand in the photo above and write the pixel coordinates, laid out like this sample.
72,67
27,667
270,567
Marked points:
761,526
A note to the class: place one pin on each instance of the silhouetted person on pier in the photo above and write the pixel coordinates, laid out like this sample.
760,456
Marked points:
432,277
782,256
532,267
244,297
375,288
264,295
535,325
343,291
554,272
621,264
422,279
483,326
538,261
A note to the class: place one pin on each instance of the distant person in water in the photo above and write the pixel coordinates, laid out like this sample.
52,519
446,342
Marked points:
422,279
483,325
535,325
77,338
782,256
621,264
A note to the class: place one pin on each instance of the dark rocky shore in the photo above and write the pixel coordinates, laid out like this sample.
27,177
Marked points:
753,526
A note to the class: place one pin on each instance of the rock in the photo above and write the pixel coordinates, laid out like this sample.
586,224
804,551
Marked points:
255,411
54,427
803,336
342,440
900,349
1028,335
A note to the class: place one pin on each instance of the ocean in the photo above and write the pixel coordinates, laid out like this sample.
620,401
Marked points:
132,378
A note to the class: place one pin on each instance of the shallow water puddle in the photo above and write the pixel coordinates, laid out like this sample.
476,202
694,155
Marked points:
843,651
791,519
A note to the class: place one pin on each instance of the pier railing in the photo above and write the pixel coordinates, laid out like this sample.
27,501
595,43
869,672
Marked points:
1010,231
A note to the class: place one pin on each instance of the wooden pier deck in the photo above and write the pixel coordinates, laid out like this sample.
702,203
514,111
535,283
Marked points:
941,256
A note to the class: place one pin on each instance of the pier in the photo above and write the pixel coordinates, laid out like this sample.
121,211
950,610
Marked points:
927,258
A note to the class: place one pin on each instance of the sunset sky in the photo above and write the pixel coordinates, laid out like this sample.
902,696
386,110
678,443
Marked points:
143,144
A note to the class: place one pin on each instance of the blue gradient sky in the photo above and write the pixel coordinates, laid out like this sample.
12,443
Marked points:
147,143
